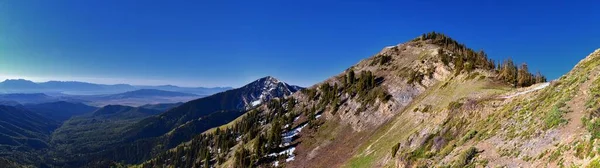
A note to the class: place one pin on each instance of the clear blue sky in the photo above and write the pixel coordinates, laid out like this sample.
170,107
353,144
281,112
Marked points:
230,43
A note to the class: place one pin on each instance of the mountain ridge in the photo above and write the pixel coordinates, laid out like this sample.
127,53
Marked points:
60,110
335,123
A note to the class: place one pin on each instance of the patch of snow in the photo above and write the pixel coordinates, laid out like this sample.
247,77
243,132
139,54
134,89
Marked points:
539,87
291,158
256,102
289,151
318,115
276,163
288,136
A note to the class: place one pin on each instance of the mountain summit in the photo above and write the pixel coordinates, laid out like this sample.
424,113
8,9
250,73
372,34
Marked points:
265,89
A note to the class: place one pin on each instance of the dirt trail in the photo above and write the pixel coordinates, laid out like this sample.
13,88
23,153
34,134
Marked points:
574,127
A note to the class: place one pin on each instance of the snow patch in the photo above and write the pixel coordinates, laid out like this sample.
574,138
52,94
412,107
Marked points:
539,87
288,136
256,102
291,158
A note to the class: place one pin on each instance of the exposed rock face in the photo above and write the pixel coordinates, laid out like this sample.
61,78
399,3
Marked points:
404,57
265,89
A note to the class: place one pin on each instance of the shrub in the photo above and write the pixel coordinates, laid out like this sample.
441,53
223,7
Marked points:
384,59
454,105
593,127
594,163
468,66
554,118
395,149
465,158
468,136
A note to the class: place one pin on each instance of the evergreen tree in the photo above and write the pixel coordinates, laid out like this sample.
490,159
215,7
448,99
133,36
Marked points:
350,77
259,145
207,159
458,65
291,103
242,158
312,117
524,77
274,138
539,78
508,72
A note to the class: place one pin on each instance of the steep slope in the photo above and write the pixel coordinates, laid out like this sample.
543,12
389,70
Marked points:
60,111
540,126
82,135
22,132
332,123
232,102
176,125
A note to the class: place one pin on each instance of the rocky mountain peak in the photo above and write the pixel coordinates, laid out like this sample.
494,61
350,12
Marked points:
266,88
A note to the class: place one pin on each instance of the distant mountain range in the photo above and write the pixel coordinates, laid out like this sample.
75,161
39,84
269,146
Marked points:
131,98
84,88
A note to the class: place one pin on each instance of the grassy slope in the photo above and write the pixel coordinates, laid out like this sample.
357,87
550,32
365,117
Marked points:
377,149
542,128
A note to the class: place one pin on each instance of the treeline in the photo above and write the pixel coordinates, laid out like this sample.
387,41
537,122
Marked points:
209,149
518,76
364,86
466,60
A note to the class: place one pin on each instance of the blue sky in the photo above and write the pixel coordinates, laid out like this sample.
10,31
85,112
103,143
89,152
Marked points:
230,43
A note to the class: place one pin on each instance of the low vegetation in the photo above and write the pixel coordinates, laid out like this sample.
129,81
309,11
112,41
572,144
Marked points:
466,158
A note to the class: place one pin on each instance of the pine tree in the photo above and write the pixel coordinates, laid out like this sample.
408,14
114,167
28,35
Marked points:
508,72
458,65
539,78
207,159
242,158
350,77
524,77
312,117
259,145
291,103
274,138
